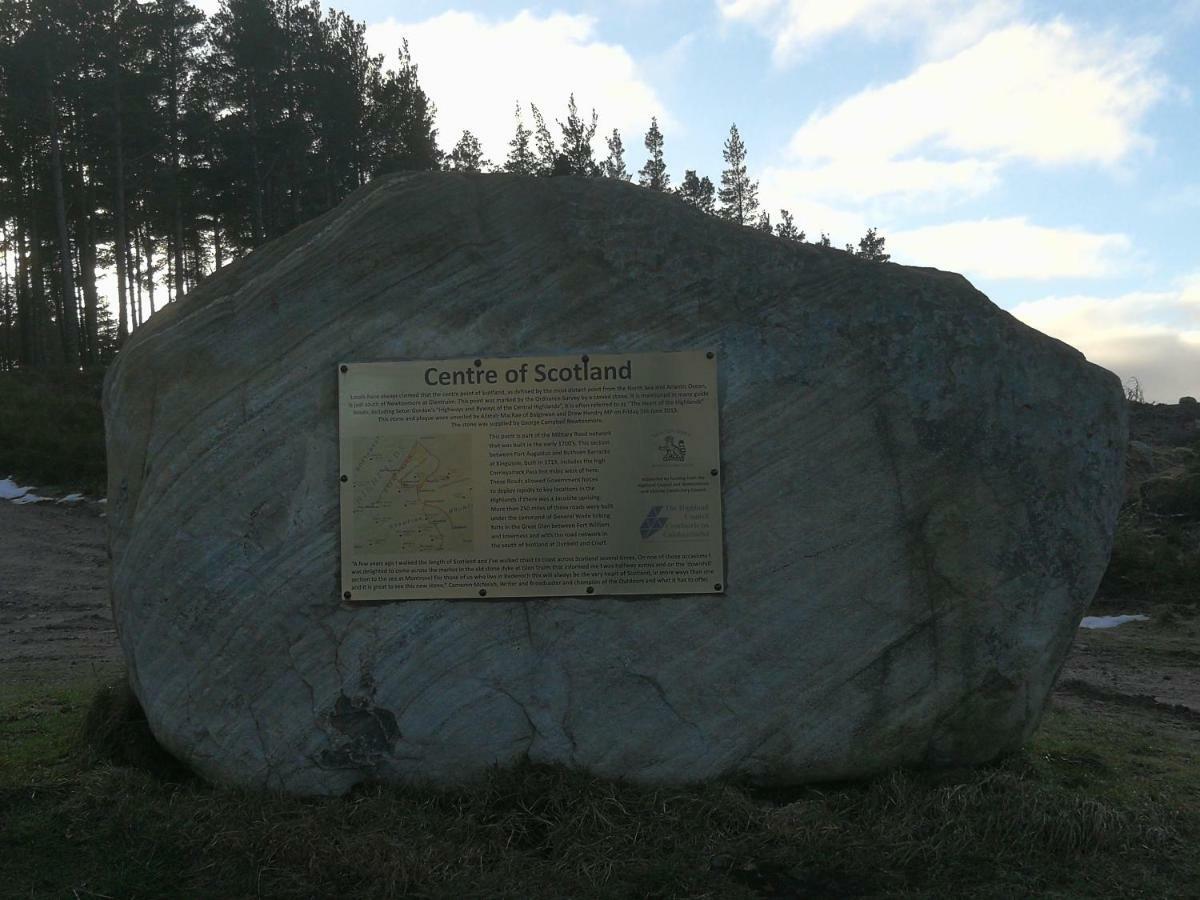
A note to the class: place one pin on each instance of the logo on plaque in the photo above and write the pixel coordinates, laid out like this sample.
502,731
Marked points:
653,523
673,450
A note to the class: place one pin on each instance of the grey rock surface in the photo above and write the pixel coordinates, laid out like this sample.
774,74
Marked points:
920,495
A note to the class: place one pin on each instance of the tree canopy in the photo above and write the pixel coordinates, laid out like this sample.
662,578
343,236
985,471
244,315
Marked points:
145,139
150,144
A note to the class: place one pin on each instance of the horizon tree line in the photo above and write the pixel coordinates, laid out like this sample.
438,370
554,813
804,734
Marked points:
535,153
150,144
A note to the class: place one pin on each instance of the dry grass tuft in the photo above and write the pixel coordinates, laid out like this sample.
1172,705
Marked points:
115,731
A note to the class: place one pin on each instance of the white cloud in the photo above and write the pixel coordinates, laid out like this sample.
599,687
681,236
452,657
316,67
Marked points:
1045,94
1039,92
797,26
1011,248
1151,336
905,179
476,70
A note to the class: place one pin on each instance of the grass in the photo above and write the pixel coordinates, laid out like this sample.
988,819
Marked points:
1099,805
52,429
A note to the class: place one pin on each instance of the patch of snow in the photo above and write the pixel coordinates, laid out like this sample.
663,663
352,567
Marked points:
1110,621
102,500
11,491
29,498
14,493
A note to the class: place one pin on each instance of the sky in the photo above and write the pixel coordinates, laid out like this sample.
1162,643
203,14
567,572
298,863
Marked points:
1046,151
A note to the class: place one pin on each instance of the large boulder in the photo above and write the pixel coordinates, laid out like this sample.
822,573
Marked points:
919,499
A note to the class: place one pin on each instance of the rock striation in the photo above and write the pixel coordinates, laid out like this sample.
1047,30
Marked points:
920,495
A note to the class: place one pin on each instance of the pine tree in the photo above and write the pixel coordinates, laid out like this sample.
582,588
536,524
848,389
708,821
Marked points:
614,165
697,191
341,75
764,223
824,240
544,143
577,138
653,174
174,42
245,52
738,194
871,247
521,160
467,155
786,228
136,136
402,132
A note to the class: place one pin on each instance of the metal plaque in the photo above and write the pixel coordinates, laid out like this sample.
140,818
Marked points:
535,476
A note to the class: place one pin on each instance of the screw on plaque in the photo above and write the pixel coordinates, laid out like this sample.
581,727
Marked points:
710,354
713,472
478,363
591,590
345,368
717,586
483,592
345,478
346,596
585,357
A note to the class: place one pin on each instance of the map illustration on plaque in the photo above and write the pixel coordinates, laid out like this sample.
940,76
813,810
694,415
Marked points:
413,494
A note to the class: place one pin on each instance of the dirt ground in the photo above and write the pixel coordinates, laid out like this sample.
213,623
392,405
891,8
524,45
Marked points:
1150,670
55,620
56,624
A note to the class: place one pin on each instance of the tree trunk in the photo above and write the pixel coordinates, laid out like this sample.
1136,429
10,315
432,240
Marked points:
259,231
121,250
86,240
137,280
8,348
293,116
177,202
37,290
27,353
85,348
70,322
149,248
133,273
